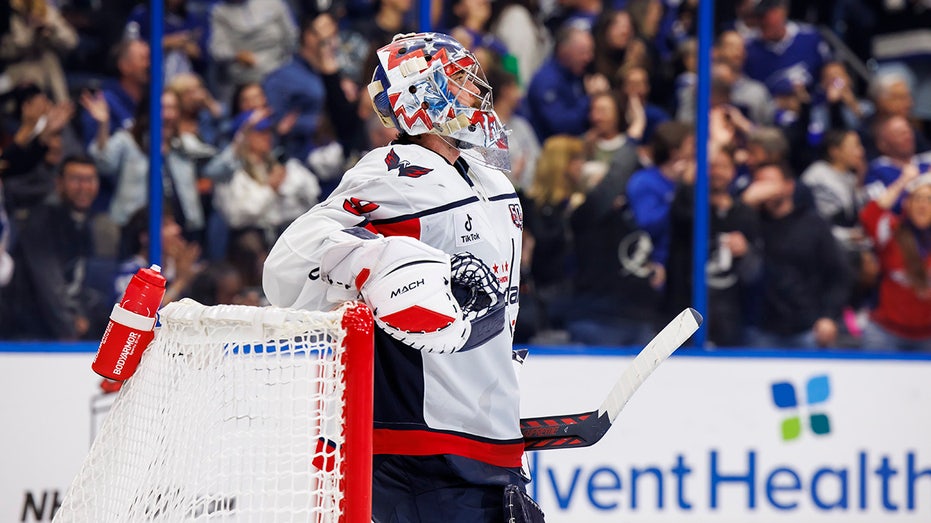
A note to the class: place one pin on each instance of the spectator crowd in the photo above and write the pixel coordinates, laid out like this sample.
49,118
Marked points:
819,168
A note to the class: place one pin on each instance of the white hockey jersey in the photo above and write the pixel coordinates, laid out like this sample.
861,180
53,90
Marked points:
465,403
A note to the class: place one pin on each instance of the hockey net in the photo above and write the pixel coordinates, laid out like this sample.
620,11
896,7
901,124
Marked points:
238,414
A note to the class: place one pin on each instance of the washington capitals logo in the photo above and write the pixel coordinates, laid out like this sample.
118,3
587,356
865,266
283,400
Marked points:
404,167
358,207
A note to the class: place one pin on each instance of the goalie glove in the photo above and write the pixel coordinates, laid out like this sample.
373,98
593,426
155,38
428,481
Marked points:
479,292
405,282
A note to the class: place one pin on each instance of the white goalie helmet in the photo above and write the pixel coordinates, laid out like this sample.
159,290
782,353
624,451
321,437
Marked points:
430,83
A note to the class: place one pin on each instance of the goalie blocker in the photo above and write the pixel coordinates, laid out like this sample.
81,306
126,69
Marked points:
404,281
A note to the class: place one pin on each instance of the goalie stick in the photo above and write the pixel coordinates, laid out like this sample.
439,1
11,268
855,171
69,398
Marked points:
582,430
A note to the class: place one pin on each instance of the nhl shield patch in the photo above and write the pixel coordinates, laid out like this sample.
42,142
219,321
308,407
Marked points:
517,215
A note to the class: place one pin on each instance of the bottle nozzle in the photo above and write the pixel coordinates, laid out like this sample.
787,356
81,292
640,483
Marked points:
156,267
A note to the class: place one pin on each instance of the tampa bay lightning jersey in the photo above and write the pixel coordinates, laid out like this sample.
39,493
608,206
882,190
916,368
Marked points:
465,403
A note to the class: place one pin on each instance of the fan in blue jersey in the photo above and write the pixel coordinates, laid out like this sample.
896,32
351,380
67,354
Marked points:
895,140
427,231
784,49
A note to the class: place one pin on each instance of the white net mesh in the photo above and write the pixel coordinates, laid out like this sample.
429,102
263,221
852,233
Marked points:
234,414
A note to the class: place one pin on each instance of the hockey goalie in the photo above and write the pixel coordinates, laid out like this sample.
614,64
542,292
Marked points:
427,231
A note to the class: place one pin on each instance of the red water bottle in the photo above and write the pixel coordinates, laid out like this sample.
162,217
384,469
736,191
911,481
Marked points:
132,325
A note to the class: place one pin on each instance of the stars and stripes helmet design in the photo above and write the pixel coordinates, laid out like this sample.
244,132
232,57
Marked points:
430,83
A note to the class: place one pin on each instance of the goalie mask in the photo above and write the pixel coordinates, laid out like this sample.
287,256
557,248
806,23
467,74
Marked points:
430,83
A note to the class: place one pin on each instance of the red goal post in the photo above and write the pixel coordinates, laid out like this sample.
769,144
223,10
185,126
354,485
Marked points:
239,414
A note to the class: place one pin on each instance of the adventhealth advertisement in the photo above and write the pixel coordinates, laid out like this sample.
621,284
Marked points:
705,439
746,439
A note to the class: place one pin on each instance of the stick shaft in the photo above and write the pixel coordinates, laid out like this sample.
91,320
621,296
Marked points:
582,430
673,335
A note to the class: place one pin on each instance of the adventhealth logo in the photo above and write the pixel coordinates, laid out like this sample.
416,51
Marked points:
817,392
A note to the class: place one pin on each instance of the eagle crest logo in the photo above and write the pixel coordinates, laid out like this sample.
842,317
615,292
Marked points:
404,167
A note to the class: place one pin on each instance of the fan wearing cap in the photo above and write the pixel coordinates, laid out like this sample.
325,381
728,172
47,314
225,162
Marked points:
257,194
427,231
901,319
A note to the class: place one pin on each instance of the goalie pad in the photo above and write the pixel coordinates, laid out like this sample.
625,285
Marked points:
405,282
521,508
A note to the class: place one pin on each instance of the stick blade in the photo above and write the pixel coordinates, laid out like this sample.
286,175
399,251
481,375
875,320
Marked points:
569,431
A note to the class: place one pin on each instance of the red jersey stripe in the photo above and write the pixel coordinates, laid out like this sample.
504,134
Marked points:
426,443
404,228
